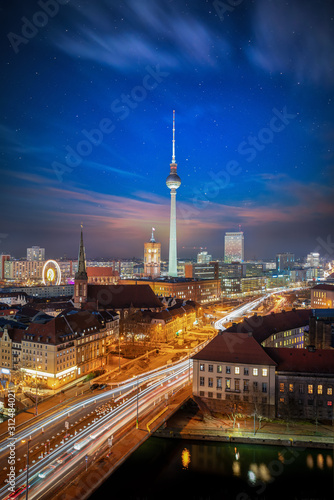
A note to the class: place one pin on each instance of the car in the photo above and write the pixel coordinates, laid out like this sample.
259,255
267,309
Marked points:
47,470
64,457
94,386
16,493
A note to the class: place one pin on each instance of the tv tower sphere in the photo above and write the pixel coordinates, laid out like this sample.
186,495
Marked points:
173,181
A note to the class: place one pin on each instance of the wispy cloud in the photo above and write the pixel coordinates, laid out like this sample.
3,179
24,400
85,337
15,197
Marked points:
160,34
295,38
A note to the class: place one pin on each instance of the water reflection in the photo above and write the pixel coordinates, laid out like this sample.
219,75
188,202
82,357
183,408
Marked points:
309,461
185,457
219,470
320,461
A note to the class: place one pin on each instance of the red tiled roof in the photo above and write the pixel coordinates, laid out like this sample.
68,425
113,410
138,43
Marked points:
263,326
100,271
123,296
302,360
234,348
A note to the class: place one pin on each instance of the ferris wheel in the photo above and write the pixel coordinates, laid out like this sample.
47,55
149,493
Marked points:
51,274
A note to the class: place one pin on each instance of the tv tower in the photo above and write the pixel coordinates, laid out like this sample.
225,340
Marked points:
173,182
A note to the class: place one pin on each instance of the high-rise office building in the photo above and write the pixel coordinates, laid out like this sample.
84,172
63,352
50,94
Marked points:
3,258
203,258
285,261
152,257
313,259
234,247
173,182
36,253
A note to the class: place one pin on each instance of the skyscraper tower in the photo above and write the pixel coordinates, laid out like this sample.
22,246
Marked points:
80,278
173,182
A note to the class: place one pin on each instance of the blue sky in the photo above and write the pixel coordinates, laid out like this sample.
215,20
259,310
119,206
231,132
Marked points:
89,90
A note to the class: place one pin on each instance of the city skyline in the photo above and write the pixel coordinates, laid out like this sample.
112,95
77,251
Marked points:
86,126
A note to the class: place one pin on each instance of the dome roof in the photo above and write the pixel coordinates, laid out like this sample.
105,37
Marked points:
173,181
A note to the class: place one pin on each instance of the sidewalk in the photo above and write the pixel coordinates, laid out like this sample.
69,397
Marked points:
187,425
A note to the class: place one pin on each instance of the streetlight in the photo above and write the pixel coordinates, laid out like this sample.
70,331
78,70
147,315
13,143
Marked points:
137,405
27,476
36,409
119,352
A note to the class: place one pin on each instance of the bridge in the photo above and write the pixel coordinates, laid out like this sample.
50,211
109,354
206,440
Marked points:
73,465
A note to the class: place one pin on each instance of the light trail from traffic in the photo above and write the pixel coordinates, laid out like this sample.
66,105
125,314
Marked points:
66,458
247,308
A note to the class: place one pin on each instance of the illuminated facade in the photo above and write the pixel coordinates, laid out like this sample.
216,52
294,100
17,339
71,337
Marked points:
152,257
230,375
102,275
23,270
61,350
173,182
36,253
234,247
201,291
322,297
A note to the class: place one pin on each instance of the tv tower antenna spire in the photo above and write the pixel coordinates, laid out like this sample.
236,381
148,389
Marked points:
173,156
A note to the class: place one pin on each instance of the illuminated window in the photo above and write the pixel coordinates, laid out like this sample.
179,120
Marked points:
320,389
329,403
210,382
290,387
201,367
281,387
255,371
228,383
236,370
329,391
219,368
264,372
310,388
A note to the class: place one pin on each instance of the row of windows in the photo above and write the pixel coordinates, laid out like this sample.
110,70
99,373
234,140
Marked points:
232,385
320,294
310,402
235,397
237,370
311,388
33,346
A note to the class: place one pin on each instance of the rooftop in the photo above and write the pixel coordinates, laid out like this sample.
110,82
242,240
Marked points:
302,360
264,326
122,296
234,348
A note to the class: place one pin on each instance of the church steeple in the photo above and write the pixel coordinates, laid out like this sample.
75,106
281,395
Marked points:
80,278
81,273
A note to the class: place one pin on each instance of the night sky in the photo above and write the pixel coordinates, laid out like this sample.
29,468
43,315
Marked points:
88,92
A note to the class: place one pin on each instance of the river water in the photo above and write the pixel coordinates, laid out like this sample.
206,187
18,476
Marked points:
192,470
